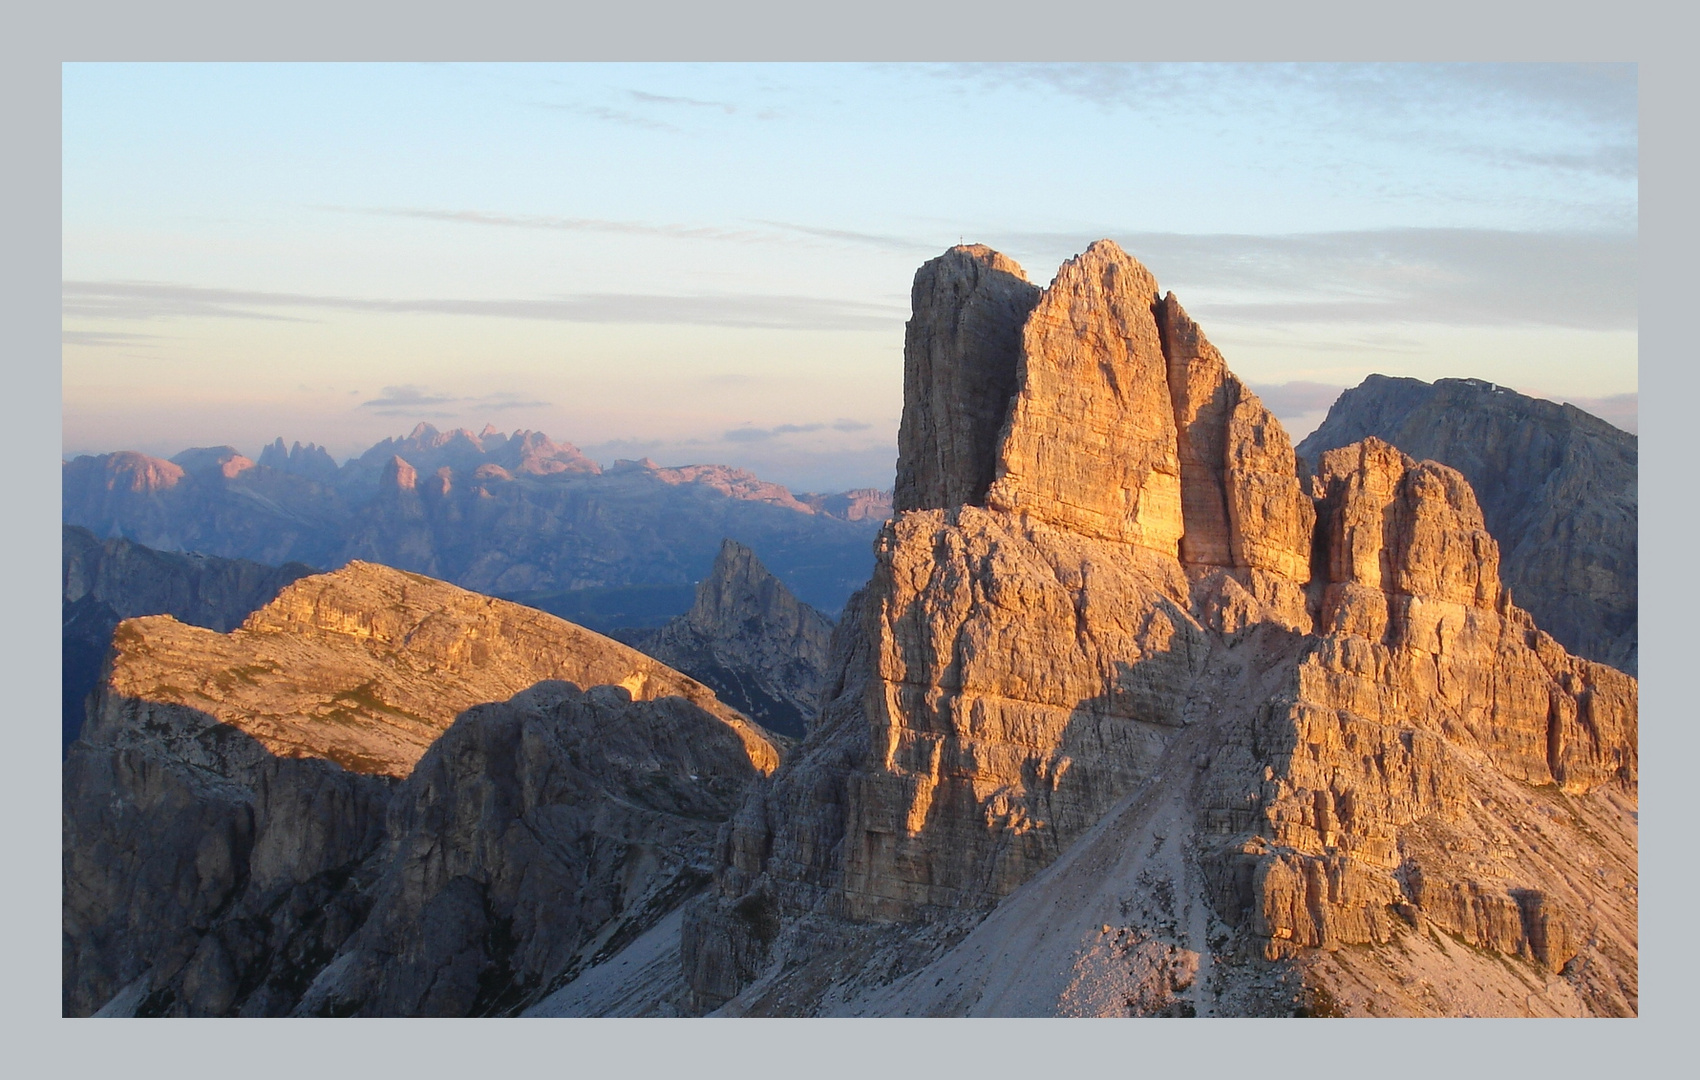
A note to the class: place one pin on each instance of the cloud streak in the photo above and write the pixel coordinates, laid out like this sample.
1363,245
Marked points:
1461,277
414,401
754,434
1589,107
102,339
1292,399
1458,277
561,224
663,99
143,300
602,112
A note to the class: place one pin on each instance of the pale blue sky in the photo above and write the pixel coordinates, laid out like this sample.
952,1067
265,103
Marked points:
712,262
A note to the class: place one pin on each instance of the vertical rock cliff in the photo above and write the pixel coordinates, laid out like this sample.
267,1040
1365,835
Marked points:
1285,711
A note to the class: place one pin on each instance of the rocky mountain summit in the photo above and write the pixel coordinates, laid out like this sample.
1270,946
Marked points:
514,515
105,582
1557,489
381,794
1131,720
762,650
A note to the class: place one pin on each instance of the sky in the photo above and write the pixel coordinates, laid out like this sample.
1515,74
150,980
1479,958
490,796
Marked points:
711,263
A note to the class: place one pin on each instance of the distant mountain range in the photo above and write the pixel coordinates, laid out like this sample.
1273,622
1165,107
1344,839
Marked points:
515,515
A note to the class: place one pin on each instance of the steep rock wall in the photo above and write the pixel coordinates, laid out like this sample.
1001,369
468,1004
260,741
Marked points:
1142,568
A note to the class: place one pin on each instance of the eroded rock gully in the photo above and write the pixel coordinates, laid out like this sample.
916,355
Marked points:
1202,739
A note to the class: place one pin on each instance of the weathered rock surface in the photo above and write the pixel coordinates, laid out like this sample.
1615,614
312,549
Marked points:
235,810
1286,721
105,582
1557,488
760,649
512,515
537,836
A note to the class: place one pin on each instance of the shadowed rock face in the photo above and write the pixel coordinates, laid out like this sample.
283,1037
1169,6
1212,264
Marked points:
538,835
241,804
760,649
1557,489
960,353
1301,716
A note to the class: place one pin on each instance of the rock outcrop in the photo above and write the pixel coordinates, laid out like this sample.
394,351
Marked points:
1557,489
1299,719
366,667
232,816
759,648
106,582
960,356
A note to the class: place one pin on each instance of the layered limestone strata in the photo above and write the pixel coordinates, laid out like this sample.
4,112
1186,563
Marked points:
242,803
1331,685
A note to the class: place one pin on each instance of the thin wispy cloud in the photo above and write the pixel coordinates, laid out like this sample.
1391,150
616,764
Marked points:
614,116
664,99
777,232
102,339
755,434
417,401
1461,277
403,396
151,300
1579,118
1292,399
562,224
880,240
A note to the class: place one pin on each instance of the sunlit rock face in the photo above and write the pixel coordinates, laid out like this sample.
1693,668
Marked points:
1144,602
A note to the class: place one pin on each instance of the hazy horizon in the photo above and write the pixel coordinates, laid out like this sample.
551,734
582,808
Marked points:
711,263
